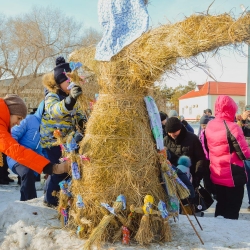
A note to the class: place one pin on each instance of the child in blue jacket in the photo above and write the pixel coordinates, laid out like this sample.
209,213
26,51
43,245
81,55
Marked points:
28,135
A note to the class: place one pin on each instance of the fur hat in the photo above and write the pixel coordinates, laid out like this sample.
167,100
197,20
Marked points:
184,164
16,105
173,124
172,113
60,69
204,119
163,116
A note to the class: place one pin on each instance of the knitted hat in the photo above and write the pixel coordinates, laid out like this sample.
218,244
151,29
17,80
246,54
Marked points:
204,119
184,160
163,116
173,124
16,105
60,69
172,113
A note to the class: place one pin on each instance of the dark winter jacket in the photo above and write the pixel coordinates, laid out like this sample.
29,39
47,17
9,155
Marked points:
184,178
246,130
187,126
187,144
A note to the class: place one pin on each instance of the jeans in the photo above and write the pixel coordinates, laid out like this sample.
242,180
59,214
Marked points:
247,166
28,177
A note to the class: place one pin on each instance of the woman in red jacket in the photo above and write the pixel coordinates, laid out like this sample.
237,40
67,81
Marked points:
13,110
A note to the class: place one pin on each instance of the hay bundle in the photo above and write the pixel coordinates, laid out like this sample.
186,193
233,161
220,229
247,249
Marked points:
118,140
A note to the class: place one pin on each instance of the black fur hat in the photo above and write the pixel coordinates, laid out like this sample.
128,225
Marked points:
60,69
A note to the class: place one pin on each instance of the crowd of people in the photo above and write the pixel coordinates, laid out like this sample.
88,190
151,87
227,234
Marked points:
28,149
219,154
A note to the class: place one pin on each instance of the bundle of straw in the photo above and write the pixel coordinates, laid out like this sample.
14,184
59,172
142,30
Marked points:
144,234
98,231
167,233
118,140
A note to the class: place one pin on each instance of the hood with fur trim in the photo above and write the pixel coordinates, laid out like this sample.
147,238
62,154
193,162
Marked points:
49,83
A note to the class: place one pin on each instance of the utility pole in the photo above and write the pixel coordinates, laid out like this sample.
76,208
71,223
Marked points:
247,100
248,78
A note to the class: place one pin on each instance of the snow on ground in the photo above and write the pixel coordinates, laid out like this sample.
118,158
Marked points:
32,226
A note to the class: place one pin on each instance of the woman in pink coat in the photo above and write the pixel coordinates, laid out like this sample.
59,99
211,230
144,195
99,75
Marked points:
227,151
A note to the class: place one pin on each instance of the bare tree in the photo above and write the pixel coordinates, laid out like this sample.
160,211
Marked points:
91,37
30,43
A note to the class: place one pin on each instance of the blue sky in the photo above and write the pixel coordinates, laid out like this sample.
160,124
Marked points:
232,67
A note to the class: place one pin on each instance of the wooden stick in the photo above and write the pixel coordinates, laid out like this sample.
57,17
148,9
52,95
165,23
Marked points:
190,221
192,208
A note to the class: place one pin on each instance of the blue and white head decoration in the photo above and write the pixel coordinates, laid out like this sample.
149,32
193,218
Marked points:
109,208
71,144
163,209
75,171
123,21
122,198
79,202
65,186
75,66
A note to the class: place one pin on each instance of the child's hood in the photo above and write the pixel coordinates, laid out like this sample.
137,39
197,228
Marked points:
40,110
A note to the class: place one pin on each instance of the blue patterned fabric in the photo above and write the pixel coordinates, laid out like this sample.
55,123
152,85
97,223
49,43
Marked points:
123,21
75,171
155,121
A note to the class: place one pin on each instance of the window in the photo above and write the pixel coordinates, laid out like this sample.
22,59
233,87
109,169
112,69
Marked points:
190,110
182,110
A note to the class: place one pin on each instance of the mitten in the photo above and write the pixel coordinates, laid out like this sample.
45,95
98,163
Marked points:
70,100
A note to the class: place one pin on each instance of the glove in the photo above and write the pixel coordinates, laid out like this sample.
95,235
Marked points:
57,168
74,93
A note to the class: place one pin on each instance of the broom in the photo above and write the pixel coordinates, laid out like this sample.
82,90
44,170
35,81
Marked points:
98,231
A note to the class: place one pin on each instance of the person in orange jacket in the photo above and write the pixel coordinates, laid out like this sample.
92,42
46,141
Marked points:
13,110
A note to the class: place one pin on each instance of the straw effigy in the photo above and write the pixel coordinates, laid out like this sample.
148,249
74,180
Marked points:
118,139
